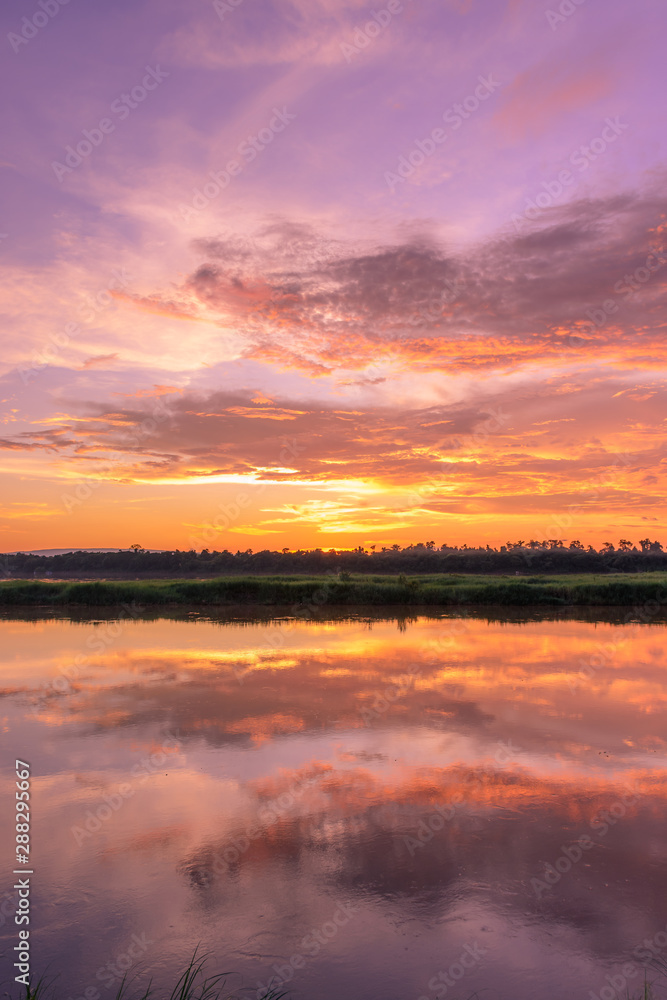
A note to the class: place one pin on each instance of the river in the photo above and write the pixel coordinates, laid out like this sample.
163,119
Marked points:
354,807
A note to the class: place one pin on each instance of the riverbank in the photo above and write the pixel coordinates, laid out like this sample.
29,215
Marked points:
589,590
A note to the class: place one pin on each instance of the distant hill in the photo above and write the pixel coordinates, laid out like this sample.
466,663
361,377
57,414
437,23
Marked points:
62,552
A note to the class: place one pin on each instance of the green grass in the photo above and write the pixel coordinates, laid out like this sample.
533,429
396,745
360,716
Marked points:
593,590
192,984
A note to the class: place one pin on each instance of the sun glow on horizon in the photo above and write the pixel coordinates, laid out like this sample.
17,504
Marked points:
441,342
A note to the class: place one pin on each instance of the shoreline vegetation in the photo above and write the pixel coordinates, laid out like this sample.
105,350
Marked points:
192,984
195,984
627,590
522,557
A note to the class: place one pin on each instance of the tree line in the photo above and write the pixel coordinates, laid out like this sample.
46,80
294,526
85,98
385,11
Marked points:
519,557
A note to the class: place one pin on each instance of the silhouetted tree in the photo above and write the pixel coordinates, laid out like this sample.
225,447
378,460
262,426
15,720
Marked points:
510,558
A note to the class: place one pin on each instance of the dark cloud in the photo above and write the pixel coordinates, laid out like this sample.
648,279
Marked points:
310,303
305,302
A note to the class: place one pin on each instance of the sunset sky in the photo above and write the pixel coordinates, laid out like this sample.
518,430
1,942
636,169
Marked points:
331,273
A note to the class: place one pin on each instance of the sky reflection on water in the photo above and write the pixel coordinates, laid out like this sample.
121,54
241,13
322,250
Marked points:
480,799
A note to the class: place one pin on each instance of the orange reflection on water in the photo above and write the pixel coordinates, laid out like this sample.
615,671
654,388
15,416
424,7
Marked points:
194,776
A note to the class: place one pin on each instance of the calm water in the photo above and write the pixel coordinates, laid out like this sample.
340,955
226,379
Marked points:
368,809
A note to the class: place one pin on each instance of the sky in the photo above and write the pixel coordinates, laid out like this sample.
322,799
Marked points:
319,274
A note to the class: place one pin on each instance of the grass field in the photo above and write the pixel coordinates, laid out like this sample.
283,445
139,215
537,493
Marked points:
613,590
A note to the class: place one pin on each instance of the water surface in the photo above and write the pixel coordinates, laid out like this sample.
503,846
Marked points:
365,808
